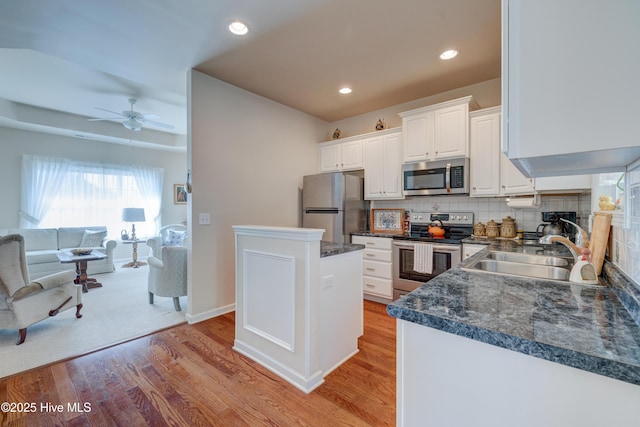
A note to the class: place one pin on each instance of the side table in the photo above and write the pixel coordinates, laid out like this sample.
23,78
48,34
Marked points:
66,256
134,263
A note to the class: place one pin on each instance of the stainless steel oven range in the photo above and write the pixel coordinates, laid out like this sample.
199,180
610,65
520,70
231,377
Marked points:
447,249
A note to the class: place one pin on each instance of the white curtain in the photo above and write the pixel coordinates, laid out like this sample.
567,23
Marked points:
90,194
41,180
149,182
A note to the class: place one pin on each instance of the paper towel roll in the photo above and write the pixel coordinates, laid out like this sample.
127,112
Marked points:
524,202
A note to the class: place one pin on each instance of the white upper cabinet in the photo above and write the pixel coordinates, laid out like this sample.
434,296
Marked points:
570,85
512,180
339,156
485,153
437,132
492,174
563,184
382,166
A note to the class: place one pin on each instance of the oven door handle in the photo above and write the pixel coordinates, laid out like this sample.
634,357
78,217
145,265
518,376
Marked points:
403,245
436,248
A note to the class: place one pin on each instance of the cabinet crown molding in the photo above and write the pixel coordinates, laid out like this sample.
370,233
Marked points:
473,105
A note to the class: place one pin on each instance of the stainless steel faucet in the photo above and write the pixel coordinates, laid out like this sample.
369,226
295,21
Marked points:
581,238
573,248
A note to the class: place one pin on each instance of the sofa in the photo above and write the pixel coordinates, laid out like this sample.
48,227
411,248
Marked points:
43,244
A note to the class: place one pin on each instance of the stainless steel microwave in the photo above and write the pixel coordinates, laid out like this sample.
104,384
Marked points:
437,177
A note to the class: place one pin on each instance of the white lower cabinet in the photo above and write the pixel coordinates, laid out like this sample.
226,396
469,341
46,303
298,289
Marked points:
376,265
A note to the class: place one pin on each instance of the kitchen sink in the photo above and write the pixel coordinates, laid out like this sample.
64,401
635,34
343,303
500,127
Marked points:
528,258
539,266
521,269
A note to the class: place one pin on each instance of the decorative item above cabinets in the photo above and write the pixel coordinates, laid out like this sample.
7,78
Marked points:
439,131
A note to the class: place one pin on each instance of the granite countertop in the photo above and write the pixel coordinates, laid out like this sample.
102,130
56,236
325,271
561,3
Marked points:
594,328
335,248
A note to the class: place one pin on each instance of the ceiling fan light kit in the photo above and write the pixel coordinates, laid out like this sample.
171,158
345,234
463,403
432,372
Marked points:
132,124
133,120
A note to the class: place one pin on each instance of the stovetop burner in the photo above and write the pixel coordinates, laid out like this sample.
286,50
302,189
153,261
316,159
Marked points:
457,226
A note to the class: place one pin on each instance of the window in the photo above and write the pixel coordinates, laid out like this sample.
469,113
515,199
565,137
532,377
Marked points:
63,193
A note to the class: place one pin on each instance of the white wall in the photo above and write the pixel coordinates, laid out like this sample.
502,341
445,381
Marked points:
247,155
15,142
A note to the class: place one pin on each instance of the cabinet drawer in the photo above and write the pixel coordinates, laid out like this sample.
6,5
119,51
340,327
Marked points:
373,242
375,286
376,255
377,269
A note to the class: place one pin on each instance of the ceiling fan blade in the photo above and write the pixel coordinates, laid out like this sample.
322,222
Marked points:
106,118
158,124
120,115
150,116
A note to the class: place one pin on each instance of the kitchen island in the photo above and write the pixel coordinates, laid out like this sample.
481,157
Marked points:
476,348
299,309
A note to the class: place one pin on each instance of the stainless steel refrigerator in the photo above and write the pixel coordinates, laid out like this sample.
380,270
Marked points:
335,202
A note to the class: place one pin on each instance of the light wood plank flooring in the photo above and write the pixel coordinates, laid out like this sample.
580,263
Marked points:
189,375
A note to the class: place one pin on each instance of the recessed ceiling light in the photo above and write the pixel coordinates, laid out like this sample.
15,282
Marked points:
238,28
448,54
345,90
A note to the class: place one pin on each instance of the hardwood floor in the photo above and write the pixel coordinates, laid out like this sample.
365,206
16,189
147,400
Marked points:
190,376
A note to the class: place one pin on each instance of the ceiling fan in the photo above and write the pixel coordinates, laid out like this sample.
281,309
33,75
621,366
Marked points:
133,120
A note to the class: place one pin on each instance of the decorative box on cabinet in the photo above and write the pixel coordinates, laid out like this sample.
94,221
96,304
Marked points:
377,266
340,156
382,166
438,131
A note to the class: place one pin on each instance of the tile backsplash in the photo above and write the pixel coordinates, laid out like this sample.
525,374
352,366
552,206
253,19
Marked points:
488,208
624,250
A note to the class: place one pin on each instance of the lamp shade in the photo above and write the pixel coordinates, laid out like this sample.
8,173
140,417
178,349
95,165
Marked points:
133,214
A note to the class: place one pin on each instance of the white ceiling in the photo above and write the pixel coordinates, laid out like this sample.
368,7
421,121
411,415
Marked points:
72,56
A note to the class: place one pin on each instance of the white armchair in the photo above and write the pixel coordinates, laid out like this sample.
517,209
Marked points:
23,302
168,276
170,235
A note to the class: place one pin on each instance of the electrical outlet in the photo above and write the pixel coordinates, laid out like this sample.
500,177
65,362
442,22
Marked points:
204,219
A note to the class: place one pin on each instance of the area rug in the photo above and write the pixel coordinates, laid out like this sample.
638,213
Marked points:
116,312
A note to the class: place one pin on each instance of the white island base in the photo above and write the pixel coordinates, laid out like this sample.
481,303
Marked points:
448,380
297,314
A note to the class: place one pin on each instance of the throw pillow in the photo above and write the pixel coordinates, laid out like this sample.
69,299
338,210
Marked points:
92,239
174,238
10,271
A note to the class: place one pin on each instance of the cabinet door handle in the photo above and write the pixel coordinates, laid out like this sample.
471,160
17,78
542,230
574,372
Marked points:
369,285
371,255
371,269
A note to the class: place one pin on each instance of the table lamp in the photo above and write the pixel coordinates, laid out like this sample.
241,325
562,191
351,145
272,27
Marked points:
133,215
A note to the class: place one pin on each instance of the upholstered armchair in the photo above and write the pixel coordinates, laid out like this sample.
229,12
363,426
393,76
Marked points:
169,235
23,302
168,275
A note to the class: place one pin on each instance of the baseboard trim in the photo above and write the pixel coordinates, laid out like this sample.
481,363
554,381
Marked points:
209,314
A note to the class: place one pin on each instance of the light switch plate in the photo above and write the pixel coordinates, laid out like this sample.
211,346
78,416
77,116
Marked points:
204,219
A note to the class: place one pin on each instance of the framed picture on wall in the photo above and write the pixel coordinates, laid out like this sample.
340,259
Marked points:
179,194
